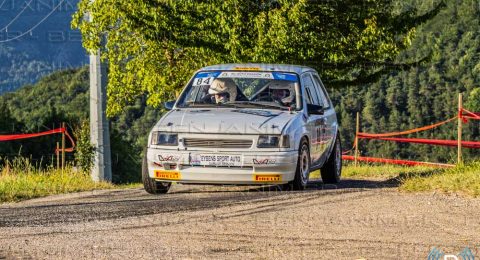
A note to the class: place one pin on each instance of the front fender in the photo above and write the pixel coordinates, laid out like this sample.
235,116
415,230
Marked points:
297,129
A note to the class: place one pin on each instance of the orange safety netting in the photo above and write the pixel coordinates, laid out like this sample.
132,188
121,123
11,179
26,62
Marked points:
397,162
469,115
451,143
463,114
416,130
353,147
27,136
67,150
33,135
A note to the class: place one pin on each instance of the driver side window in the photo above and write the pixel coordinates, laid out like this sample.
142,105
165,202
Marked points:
199,94
310,90
321,92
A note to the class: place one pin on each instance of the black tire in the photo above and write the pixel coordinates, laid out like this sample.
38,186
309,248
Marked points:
331,171
151,185
303,168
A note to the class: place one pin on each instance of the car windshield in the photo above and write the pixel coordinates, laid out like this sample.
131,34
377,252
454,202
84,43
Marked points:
277,90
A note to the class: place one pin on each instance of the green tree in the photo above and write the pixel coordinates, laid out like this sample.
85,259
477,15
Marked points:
153,46
84,150
473,101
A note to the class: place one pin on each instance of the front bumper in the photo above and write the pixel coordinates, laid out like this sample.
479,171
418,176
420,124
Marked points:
256,168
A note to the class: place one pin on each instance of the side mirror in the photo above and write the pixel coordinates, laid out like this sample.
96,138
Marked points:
314,109
169,105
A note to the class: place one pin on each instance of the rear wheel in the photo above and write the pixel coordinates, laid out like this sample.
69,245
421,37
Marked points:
151,185
332,169
303,168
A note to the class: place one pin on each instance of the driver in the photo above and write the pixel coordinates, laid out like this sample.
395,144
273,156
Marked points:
283,91
224,90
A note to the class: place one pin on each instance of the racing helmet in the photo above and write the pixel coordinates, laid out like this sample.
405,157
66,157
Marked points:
289,97
224,86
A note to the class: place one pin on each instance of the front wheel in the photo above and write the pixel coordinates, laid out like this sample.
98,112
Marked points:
151,185
303,168
331,171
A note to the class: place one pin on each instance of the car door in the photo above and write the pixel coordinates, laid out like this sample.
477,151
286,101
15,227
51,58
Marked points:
329,125
314,122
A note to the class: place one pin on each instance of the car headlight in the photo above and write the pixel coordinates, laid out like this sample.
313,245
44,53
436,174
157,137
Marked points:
161,138
273,141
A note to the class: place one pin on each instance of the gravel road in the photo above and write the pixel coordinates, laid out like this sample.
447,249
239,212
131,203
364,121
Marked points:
358,219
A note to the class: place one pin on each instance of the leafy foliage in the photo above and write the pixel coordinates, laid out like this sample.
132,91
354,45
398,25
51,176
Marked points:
85,151
154,46
474,100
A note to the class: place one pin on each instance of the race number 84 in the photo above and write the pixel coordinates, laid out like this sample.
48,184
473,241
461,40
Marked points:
203,81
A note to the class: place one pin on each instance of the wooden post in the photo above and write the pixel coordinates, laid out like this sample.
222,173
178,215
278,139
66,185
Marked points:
57,152
356,138
63,146
459,131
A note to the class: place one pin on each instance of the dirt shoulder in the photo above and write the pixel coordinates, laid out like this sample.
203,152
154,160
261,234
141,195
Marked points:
357,219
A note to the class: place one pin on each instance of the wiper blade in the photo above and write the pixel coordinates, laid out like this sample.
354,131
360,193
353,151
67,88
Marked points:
192,104
261,104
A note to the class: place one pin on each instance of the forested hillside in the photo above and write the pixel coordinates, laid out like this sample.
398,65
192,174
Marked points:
49,47
422,95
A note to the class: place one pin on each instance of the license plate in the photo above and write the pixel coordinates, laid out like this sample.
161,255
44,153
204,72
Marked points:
167,175
215,160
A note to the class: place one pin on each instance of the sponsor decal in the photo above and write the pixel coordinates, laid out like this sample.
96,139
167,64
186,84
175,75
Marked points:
247,68
167,175
207,74
215,160
265,161
168,158
285,76
247,75
267,177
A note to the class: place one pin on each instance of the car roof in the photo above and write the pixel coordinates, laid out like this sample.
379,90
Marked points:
260,66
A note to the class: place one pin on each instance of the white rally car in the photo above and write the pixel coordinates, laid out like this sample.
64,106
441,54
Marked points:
246,124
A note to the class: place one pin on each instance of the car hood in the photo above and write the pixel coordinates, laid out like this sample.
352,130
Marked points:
225,121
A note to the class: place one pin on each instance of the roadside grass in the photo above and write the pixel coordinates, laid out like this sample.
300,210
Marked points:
20,180
461,179
384,171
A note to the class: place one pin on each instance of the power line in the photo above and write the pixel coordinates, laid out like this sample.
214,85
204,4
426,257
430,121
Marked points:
35,26
1,5
16,17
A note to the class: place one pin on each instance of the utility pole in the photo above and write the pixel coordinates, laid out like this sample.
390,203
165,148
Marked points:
99,125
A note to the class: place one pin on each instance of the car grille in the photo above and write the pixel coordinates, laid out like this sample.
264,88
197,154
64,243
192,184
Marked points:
217,143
